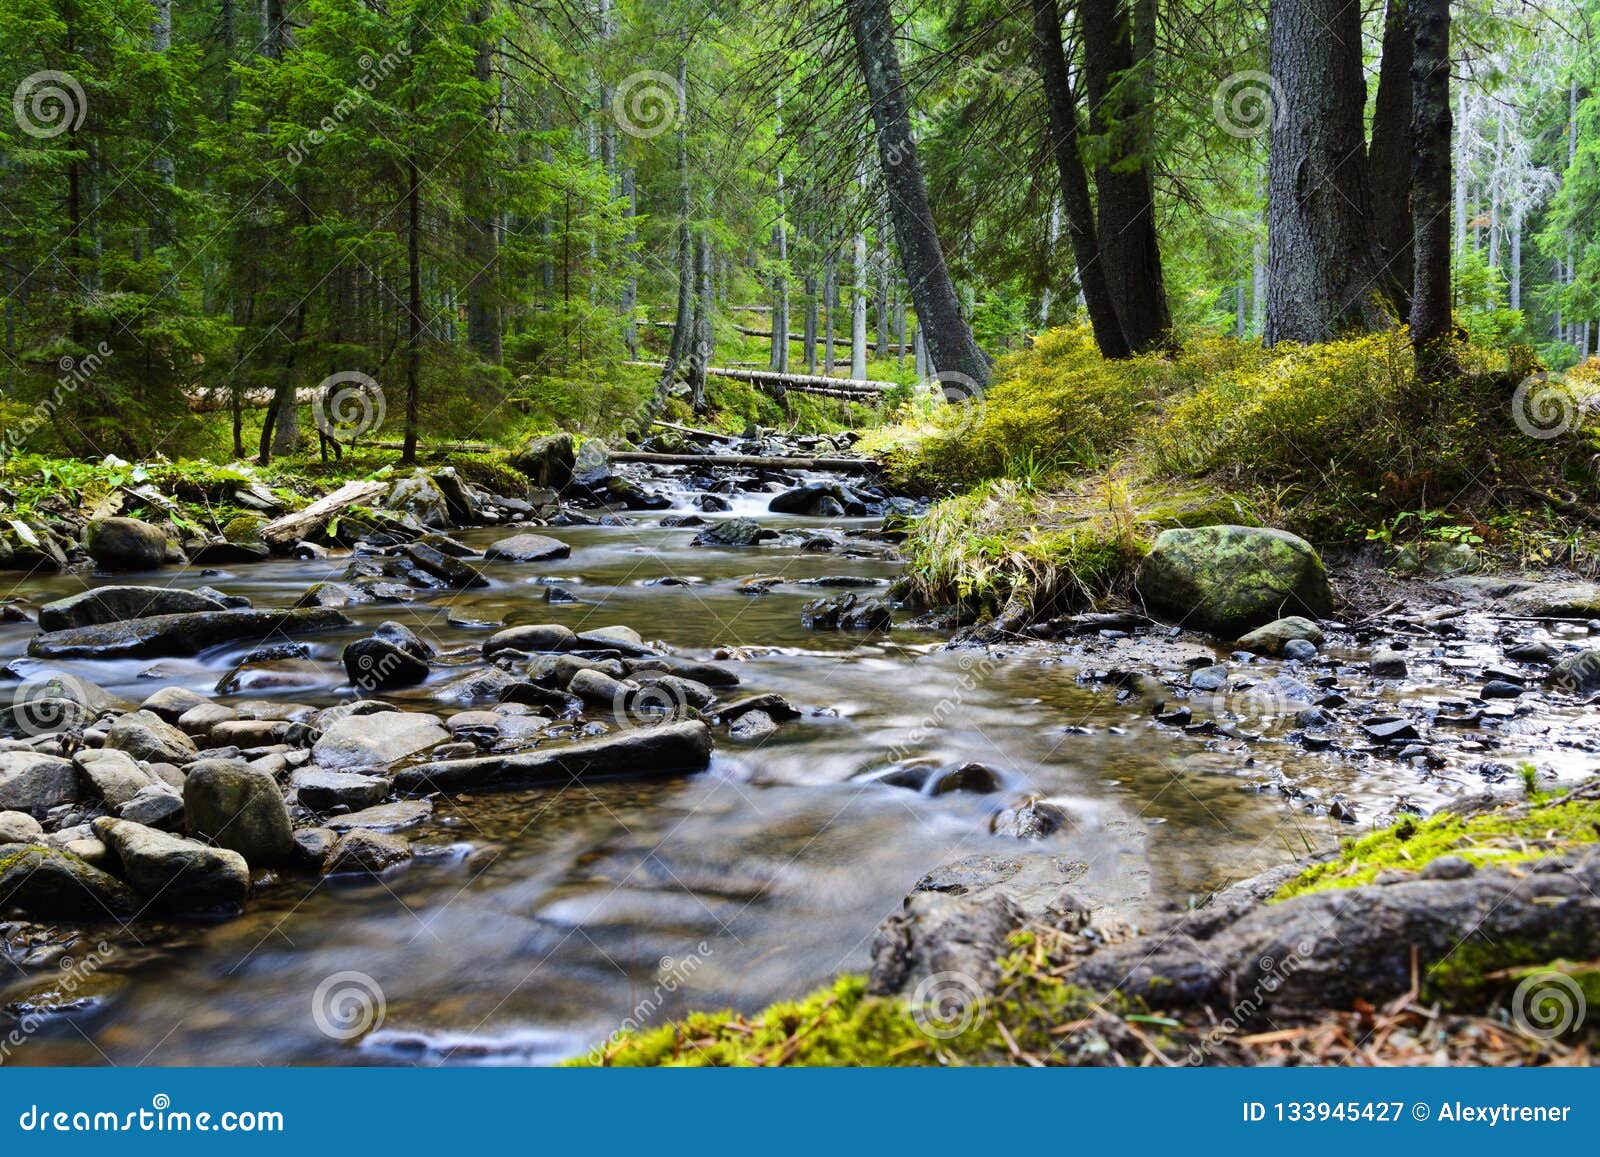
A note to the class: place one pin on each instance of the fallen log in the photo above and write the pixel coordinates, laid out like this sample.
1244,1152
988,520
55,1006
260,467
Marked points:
803,383
698,433
293,527
749,461
211,400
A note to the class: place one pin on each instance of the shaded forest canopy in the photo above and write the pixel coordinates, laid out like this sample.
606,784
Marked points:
467,217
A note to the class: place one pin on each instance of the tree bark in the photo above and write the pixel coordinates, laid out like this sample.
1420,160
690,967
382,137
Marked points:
858,307
950,341
408,453
1051,62
1390,158
1127,227
483,224
1430,186
1323,269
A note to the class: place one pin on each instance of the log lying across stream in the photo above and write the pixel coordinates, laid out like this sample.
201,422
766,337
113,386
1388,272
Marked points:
854,388
748,461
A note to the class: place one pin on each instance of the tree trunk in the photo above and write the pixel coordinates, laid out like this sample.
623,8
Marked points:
950,340
830,301
408,453
483,224
1430,186
1390,158
1127,228
704,339
1323,272
1050,59
858,307
811,323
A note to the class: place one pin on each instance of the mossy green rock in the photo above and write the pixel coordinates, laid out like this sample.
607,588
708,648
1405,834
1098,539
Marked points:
50,884
1232,579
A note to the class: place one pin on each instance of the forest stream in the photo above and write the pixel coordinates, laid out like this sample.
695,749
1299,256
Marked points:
533,923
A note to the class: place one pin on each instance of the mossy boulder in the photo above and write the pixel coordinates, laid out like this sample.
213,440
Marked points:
421,499
50,884
125,544
1230,580
547,459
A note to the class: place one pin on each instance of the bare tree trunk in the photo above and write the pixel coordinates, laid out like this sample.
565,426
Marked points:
1430,186
483,224
1119,117
811,323
950,339
1390,158
408,451
704,339
858,308
1323,277
830,302
1050,59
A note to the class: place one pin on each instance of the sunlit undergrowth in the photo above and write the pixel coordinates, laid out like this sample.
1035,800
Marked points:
1527,831
1337,441
1035,1015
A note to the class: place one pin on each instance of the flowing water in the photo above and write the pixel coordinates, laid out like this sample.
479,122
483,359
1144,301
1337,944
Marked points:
534,923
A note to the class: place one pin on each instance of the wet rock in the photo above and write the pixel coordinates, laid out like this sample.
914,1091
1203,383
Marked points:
819,499
388,817
176,874
312,845
34,783
156,806
1501,689
392,656
220,552
1213,678
451,571
376,741
1230,580
708,673
277,675
493,685
712,503
366,852
418,497
672,690
847,613
1555,600
1303,650
170,703
1029,819
1531,653
533,639
944,932
735,532
668,749
1577,674
772,705
125,544
752,725
527,548
598,689
547,459
145,735
1388,665
19,828
52,884
185,634
235,806
198,721
117,603
1390,730
334,594
111,776
976,778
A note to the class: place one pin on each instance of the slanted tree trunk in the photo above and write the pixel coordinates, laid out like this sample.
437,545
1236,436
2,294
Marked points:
1051,62
1390,158
950,340
1323,271
858,307
704,338
1430,186
1128,247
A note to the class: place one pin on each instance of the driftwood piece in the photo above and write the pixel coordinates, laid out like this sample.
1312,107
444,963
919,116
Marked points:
293,527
